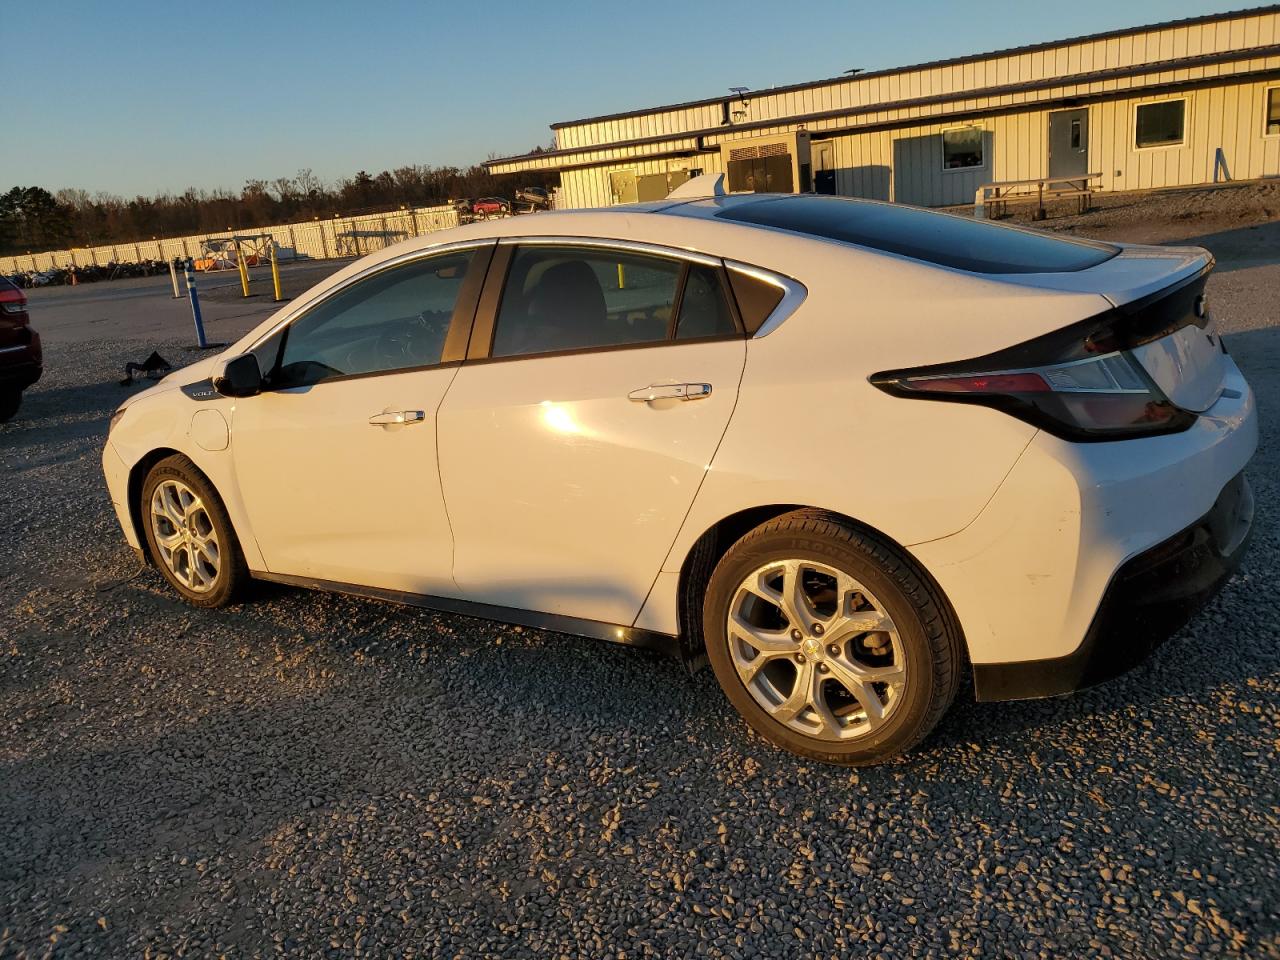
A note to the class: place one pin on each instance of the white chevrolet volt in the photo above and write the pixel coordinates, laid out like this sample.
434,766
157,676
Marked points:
845,451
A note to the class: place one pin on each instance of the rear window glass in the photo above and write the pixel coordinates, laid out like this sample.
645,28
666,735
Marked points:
944,239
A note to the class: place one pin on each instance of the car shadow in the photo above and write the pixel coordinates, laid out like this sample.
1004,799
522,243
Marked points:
62,416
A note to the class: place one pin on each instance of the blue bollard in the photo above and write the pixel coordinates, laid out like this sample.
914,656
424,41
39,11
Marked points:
195,303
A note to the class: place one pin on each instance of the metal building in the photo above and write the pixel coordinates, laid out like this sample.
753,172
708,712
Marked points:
1178,103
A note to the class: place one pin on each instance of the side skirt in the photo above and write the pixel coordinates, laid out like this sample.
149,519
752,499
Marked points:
575,626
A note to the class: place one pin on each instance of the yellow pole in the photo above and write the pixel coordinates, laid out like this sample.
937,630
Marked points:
622,277
275,272
244,269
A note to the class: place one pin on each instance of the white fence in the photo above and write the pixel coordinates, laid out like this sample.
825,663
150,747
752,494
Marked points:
315,239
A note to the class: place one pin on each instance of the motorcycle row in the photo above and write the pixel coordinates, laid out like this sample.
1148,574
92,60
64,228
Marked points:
88,273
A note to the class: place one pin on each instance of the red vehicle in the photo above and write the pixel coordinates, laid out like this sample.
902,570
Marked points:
490,207
21,361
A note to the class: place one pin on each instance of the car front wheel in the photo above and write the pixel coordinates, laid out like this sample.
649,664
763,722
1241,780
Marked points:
830,641
189,534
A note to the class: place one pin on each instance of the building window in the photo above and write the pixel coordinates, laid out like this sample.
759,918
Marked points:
1161,124
1273,112
962,148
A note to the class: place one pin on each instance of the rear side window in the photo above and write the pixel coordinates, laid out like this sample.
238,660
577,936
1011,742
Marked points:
575,298
704,308
945,239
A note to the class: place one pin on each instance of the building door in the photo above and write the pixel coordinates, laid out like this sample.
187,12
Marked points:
1069,143
824,168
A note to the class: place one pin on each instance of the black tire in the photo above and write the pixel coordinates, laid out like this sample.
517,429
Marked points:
930,637
233,575
10,401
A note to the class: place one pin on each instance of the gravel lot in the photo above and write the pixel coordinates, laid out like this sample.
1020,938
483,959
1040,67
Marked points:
322,776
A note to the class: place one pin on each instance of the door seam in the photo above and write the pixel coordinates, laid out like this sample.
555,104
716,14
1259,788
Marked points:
444,497
737,397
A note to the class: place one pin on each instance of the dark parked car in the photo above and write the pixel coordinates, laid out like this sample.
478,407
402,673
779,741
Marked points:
21,361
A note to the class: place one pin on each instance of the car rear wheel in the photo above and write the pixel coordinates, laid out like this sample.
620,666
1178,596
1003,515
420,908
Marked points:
830,642
189,534
10,401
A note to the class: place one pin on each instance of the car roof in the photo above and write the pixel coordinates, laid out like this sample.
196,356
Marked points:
752,227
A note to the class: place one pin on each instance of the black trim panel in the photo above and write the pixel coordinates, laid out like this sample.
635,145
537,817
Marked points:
574,626
1149,599
201,390
481,340
464,308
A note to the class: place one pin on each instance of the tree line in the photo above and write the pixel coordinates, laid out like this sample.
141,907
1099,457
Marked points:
34,220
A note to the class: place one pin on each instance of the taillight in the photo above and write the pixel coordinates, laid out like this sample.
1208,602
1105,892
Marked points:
1107,397
14,310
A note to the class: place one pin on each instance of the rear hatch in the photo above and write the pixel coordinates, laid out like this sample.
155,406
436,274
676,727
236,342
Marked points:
1146,366
1159,295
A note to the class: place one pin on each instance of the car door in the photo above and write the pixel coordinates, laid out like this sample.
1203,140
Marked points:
336,459
598,385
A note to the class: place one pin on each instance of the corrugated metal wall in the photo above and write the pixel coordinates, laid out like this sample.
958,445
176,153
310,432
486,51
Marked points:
1058,61
906,164
589,186
901,158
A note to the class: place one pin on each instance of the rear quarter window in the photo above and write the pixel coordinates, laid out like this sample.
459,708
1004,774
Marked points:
945,239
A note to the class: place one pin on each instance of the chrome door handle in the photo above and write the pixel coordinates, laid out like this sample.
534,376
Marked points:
401,416
670,391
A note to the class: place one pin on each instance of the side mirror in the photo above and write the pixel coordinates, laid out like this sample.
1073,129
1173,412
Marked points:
240,377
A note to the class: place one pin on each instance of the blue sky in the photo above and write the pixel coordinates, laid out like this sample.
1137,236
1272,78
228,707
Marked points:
141,97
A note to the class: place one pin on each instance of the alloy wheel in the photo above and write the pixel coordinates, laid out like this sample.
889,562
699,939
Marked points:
185,536
816,649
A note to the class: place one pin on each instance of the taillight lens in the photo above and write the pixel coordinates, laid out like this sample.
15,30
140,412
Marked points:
1107,397
14,309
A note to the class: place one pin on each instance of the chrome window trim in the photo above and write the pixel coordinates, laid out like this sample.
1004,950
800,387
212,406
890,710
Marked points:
297,311
793,294
629,246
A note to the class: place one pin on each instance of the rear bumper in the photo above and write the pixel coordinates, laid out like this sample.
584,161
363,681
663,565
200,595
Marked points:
19,370
1028,577
1149,599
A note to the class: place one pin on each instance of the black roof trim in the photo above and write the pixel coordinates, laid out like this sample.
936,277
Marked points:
935,64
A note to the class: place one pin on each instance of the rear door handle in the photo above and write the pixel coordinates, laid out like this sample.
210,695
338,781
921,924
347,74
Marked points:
400,416
670,391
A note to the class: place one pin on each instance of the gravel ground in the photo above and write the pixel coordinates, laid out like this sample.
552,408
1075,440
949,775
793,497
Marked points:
321,776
